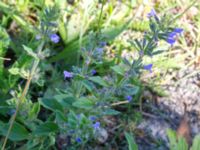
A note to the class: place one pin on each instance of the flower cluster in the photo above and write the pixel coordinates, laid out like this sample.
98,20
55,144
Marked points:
53,37
88,79
80,128
149,43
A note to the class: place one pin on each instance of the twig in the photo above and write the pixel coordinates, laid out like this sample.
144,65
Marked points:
119,103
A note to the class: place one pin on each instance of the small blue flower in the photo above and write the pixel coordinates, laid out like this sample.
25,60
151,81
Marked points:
93,72
171,41
67,74
152,13
78,116
141,53
178,30
78,140
172,35
99,50
38,37
71,131
129,98
148,67
171,38
54,38
96,125
102,43
92,118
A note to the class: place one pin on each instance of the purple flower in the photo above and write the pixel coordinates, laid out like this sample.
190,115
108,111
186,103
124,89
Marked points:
71,131
78,116
93,72
129,98
148,67
171,36
99,50
92,118
54,38
152,13
178,30
96,125
67,74
171,40
102,44
38,37
78,140
141,53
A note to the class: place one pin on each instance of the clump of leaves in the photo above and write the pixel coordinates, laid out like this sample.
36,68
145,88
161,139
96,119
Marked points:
179,143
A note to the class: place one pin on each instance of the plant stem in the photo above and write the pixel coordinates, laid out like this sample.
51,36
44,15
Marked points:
33,69
8,59
100,17
85,66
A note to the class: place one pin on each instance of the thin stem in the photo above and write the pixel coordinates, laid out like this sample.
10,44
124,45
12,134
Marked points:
100,16
34,67
85,67
5,58
119,103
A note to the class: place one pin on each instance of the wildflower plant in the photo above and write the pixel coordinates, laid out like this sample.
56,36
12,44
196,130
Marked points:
70,113
95,91
25,109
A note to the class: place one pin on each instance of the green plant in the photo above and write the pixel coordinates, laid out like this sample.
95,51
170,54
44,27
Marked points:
180,142
131,142
68,74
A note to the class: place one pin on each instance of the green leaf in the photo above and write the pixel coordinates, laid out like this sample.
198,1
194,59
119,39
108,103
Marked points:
46,129
182,144
18,132
131,142
98,80
34,110
51,104
71,49
110,112
112,32
172,138
19,71
65,100
84,103
60,117
175,144
4,42
14,71
30,52
88,85
196,143
118,69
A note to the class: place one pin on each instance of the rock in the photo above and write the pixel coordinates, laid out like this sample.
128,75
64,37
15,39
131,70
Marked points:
101,135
